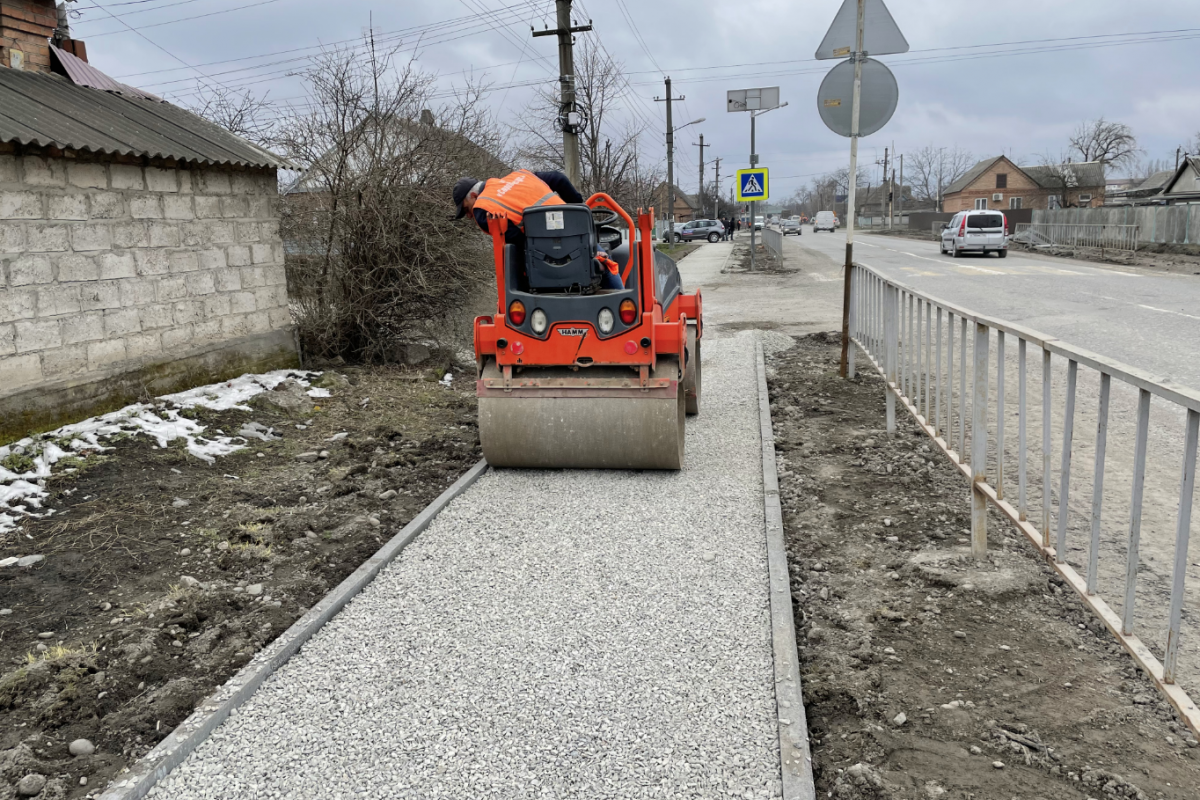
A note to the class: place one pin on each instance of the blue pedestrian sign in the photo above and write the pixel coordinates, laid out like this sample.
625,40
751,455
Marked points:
752,184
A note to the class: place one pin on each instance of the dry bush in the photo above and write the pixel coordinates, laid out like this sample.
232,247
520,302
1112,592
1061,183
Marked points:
373,257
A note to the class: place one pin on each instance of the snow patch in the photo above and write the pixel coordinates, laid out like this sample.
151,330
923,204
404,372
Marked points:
22,494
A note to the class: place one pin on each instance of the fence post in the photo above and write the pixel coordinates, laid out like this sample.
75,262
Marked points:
889,314
854,281
1182,532
1064,491
979,439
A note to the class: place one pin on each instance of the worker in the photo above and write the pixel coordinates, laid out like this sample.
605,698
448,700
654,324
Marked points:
509,197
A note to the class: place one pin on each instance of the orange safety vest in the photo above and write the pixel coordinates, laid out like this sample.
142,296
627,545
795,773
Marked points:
511,195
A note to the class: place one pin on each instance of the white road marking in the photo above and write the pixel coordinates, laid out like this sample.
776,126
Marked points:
945,263
1168,311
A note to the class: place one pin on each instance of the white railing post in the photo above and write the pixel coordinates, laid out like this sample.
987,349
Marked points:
890,312
1133,557
1093,575
1182,532
1046,500
979,438
1022,443
1064,491
999,415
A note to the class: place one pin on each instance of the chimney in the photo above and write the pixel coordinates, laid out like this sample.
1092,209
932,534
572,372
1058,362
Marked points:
26,27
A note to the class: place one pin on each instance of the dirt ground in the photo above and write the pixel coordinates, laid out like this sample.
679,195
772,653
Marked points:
163,575
928,675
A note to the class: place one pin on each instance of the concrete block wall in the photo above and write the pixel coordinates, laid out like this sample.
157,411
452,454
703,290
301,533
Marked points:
107,267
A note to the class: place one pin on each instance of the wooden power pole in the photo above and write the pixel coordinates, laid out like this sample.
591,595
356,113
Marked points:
568,115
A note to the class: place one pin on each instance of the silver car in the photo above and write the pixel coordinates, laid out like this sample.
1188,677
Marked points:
791,226
710,229
976,231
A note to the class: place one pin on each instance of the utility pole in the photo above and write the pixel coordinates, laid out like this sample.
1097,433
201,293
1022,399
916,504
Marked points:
568,115
669,100
883,185
700,172
717,190
855,108
900,204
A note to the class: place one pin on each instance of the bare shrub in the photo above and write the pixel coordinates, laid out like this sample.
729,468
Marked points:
373,258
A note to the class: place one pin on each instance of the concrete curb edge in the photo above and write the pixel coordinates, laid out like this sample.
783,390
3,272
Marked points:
171,751
795,757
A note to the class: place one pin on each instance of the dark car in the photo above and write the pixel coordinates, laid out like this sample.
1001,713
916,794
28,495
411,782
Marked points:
710,229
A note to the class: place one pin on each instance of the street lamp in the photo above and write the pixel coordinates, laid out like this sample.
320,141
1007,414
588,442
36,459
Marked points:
671,177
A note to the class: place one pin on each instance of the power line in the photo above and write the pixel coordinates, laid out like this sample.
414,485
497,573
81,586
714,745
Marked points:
154,43
180,19
942,59
399,32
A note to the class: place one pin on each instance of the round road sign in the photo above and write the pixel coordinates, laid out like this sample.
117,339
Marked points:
877,99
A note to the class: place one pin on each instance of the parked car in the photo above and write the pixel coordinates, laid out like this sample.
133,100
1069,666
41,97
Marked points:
758,223
976,232
825,221
710,229
791,226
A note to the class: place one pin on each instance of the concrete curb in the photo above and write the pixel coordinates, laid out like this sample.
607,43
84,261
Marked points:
170,752
795,757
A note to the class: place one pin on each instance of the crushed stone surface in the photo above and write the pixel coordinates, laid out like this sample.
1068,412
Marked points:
552,634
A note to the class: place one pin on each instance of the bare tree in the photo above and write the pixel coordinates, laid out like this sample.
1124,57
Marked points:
1111,143
612,160
372,256
932,169
242,113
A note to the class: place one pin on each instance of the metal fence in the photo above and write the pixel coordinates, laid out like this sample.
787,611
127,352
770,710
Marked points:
1178,224
773,241
1070,234
910,337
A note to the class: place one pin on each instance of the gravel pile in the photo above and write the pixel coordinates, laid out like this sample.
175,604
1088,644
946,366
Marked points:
552,634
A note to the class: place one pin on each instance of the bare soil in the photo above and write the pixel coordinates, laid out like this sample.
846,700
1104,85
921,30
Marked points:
1008,686
765,261
259,535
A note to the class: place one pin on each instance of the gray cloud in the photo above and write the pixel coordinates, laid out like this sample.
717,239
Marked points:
1021,103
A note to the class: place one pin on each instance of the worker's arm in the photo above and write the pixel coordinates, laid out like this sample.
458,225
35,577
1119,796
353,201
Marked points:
561,185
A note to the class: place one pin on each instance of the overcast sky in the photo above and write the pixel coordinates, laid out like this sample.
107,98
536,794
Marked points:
1133,62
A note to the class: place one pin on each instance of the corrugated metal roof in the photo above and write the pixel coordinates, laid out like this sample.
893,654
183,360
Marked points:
46,110
82,73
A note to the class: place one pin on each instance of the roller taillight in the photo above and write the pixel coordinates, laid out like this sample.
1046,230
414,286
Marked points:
516,312
628,311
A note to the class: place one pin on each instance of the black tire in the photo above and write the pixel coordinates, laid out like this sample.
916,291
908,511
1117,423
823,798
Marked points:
954,251
1002,253
691,374
714,238
678,238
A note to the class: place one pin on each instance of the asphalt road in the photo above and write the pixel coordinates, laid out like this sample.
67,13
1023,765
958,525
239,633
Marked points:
1147,319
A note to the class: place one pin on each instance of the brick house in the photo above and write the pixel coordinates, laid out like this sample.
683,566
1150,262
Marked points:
139,243
998,183
685,204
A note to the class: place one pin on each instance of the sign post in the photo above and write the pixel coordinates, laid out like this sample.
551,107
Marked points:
849,35
756,101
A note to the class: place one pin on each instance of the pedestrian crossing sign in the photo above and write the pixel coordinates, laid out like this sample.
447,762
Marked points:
752,184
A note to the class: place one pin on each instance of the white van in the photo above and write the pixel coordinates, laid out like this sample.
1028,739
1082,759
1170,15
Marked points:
976,231
825,221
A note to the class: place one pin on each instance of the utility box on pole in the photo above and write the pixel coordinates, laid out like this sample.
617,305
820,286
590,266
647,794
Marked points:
568,115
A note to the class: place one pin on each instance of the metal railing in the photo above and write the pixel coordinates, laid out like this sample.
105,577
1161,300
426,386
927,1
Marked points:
1069,234
905,334
773,241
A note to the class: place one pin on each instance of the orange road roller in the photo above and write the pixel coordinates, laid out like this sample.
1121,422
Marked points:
574,375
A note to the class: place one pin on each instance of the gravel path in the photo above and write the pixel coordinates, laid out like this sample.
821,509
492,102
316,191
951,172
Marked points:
552,634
